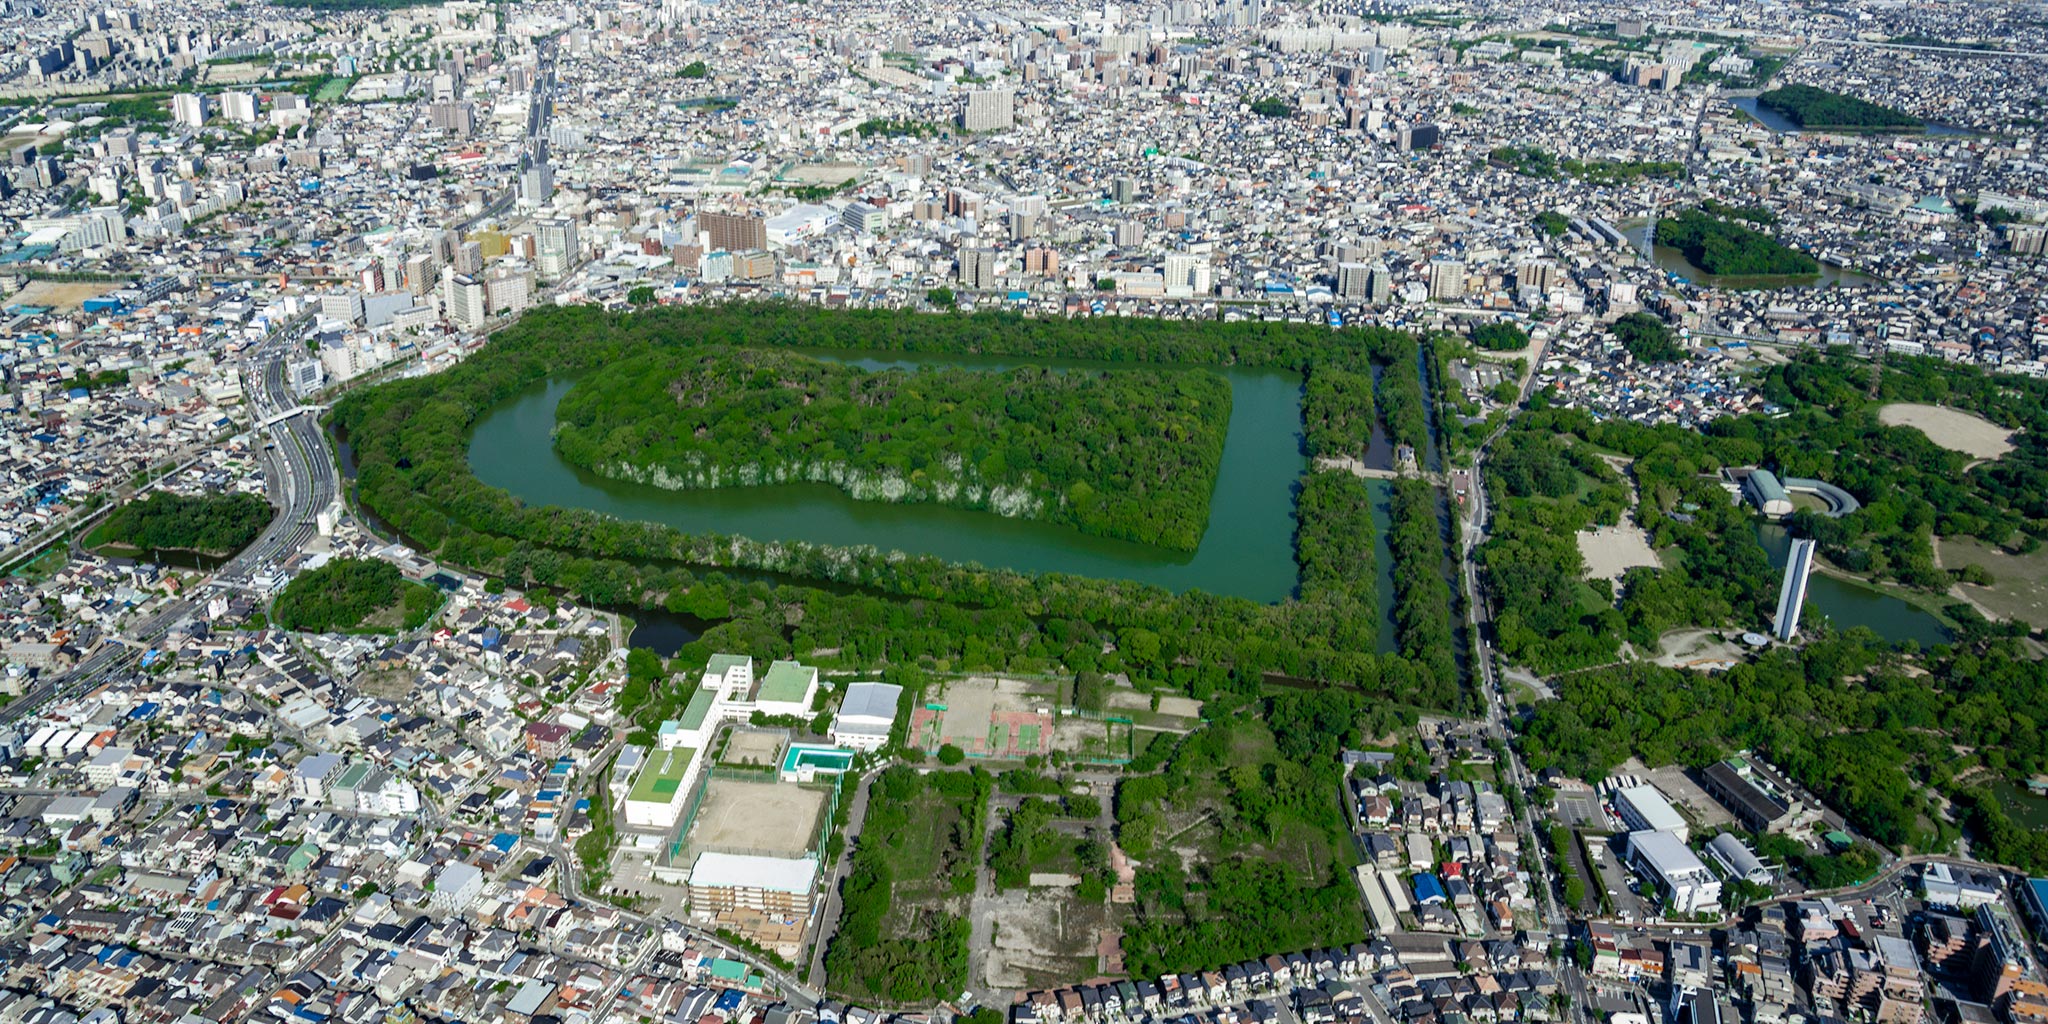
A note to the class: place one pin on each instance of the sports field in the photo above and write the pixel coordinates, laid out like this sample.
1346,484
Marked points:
771,819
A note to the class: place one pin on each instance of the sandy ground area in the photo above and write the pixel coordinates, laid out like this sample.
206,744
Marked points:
66,296
774,819
1698,648
749,746
1610,551
1953,429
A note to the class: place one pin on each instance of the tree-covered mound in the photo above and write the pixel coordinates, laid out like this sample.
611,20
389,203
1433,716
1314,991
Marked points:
211,524
1131,454
1726,248
882,607
1820,109
349,594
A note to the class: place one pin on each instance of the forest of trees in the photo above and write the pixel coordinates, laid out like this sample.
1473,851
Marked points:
1646,338
1812,107
354,593
881,609
1911,490
1723,247
1423,614
1337,412
211,524
1500,336
1269,780
1130,454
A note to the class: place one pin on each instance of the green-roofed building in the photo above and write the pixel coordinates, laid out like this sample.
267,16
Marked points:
787,689
656,799
734,972
698,709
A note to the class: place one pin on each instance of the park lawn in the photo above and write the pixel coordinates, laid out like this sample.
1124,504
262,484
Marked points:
2019,583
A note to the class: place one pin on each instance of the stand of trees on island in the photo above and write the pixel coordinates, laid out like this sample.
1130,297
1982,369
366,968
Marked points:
1130,454
213,524
355,594
1819,109
1725,248
880,608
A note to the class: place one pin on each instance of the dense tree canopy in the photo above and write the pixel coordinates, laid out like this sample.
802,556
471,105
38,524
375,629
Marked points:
1130,454
1275,869
1647,338
1813,107
214,524
1845,715
354,593
882,608
900,937
1724,247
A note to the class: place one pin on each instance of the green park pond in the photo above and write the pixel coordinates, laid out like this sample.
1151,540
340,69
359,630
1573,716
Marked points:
1247,550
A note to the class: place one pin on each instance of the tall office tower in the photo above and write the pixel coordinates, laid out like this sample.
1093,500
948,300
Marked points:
989,110
1446,279
734,232
559,248
190,109
978,268
536,184
1379,286
469,258
422,273
1354,280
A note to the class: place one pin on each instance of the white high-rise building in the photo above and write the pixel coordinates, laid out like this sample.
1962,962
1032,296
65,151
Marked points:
1187,274
989,110
240,107
463,300
190,109
557,246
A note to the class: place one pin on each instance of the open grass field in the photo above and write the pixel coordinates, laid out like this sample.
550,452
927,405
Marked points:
1954,429
2019,583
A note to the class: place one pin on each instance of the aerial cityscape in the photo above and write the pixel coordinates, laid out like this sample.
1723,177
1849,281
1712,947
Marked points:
1105,512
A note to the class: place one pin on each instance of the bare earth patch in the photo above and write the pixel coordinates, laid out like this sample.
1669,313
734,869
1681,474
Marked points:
64,296
770,819
1610,551
1953,429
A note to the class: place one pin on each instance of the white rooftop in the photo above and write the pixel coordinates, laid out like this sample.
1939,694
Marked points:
746,871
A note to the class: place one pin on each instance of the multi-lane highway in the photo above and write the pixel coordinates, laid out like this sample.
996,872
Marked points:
301,480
